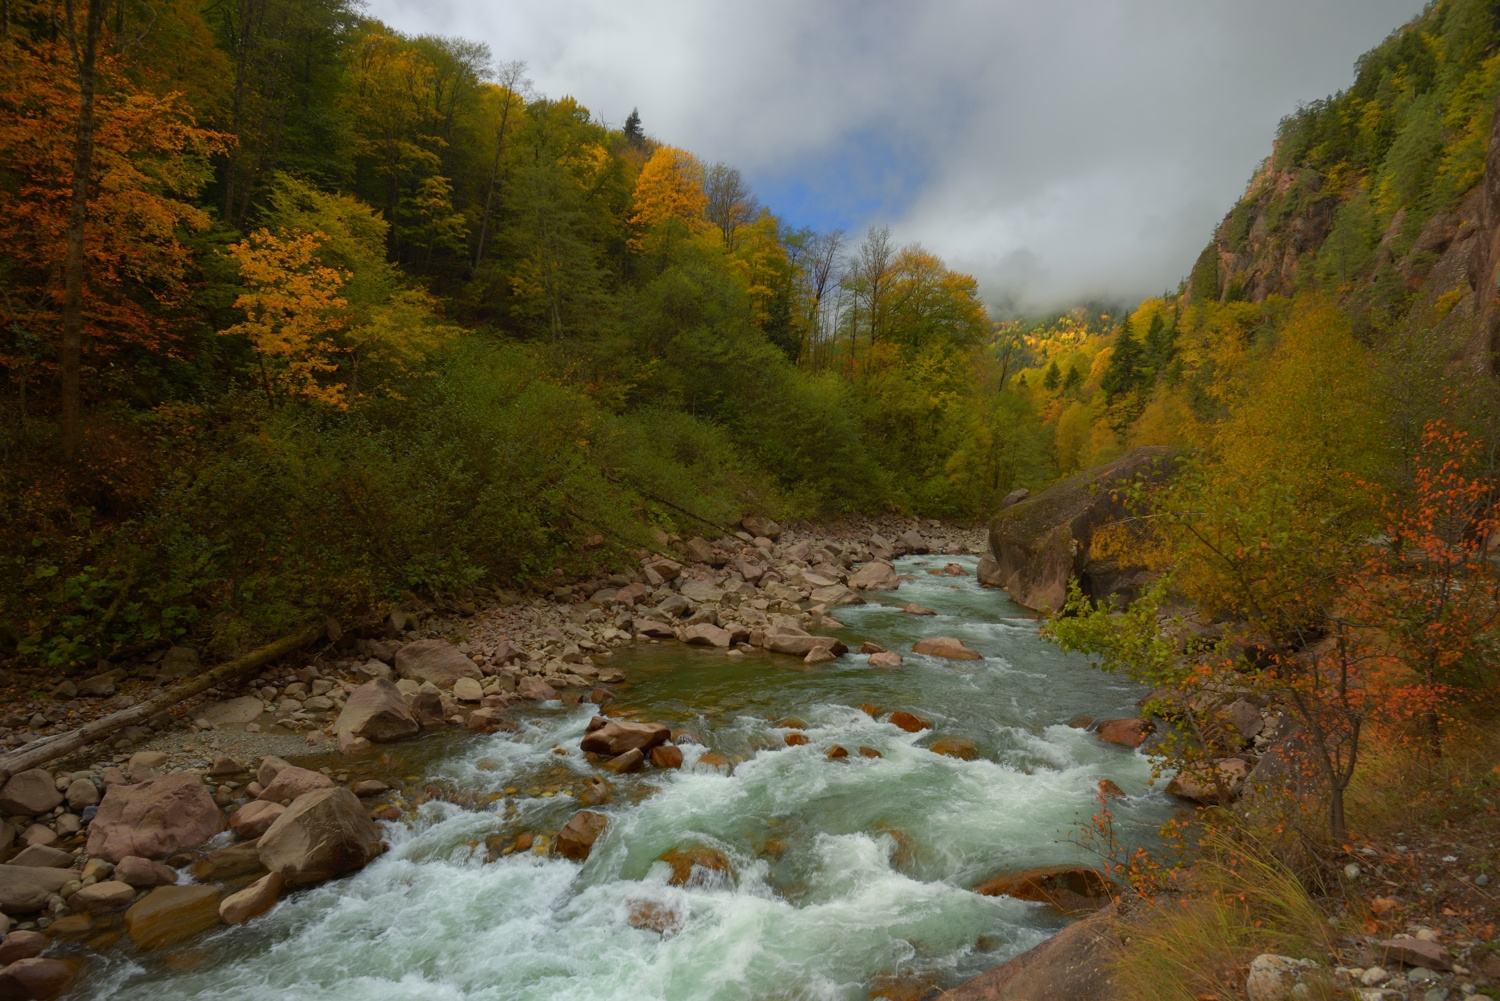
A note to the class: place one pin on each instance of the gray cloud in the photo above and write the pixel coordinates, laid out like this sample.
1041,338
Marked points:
1059,149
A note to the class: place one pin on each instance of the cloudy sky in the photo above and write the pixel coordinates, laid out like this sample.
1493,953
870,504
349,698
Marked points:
1058,149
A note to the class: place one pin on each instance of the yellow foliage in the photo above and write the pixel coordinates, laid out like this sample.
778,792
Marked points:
1072,440
1167,420
292,310
669,189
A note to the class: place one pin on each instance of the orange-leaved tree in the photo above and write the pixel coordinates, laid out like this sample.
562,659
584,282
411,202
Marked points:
669,202
100,169
292,313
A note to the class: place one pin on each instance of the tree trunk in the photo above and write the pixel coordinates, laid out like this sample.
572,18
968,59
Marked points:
1336,815
84,53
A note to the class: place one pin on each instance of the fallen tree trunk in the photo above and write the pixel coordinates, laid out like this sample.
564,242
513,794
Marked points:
39,752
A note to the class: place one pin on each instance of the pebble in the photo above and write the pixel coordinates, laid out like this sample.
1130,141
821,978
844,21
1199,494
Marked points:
1483,879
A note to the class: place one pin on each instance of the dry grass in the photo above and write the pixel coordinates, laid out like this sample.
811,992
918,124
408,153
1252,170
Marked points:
1199,948
1401,786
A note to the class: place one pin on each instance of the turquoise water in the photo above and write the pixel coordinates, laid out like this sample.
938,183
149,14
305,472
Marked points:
846,875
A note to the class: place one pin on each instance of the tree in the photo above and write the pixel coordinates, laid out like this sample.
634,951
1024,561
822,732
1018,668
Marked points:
1053,377
729,202
1073,379
633,133
509,88
1124,371
669,200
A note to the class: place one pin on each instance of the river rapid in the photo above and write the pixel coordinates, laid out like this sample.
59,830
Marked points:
851,878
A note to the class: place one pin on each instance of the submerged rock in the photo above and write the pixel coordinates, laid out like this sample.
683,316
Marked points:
697,864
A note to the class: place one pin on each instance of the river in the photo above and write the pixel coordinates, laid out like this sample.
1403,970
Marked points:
848,875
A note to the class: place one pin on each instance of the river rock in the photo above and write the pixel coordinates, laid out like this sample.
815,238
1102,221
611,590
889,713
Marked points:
876,576
292,782
24,889
1043,541
631,761
701,592
43,856
270,767
534,688
909,722
1200,786
653,629
762,527
369,787
988,572
111,895
1276,978
886,658
913,542
427,706
1125,732
799,644
1245,718
706,634
666,756
81,794
699,551
954,747
467,690
698,864
41,979
154,818
246,709
257,898
577,837
437,661
171,914
142,873
39,834
489,720
1415,952
377,712
912,608
945,646
324,833
618,736
835,596
242,859
30,793
1070,889
22,945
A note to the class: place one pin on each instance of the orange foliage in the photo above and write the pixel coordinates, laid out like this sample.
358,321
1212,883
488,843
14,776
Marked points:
669,188
149,159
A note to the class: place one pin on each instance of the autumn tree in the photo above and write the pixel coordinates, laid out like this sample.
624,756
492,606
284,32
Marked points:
669,202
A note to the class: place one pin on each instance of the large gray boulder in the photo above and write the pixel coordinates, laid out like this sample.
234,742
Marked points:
324,833
1041,542
437,661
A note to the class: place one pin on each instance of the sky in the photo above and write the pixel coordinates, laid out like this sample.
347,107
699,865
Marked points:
1058,150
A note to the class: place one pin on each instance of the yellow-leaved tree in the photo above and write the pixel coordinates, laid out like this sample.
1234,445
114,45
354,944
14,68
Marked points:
293,311
670,202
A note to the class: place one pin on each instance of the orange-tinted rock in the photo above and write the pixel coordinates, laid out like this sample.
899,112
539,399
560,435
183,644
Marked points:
324,833
171,914
870,752
836,752
945,646
1109,790
1125,732
869,647
795,739
910,723
649,915
631,761
912,608
154,818
887,659
1081,722
618,736
713,759
697,863
257,898
1068,888
22,945
869,709
110,895
227,863
577,837
666,756
954,747
143,873
819,655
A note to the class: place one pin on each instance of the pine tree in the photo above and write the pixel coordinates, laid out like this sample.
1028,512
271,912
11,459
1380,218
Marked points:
1160,346
1073,380
1124,370
1053,377
632,129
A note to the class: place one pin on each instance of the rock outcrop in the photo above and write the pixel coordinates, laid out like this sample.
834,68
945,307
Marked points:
1043,541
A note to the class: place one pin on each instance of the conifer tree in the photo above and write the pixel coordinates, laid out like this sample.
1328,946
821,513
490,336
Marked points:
1053,377
1124,370
632,129
1073,380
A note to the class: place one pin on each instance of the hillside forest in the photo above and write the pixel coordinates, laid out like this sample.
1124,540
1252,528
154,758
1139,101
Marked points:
300,315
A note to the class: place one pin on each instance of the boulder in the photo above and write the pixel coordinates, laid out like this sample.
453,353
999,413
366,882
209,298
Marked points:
257,898
1071,889
876,576
706,634
81,794
467,690
437,661
22,945
270,765
954,747
988,572
1125,732
799,645
1015,497
224,766
699,551
24,889
427,706
41,979
534,688
111,895
1041,542
618,736
912,540
698,864
1276,978
631,761
171,914
292,782
577,837
910,723
653,629
835,596
154,818
30,793
701,592
760,527
377,712
39,834
666,756
1245,718
1209,788
255,818
1414,952
487,720
885,658
819,655
945,646
323,834
238,860
368,787
1077,964
912,608
142,873
46,858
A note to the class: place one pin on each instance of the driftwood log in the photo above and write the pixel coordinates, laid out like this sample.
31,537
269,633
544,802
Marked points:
39,752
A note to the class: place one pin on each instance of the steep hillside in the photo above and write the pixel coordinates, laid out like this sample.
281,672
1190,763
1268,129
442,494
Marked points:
1386,194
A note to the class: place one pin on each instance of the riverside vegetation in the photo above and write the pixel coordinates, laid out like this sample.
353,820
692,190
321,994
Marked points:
332,323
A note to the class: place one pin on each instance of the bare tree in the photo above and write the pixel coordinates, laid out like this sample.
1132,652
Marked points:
824,271
512,81
730,203
869,278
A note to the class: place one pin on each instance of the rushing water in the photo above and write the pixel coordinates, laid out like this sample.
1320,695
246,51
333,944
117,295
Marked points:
847,874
